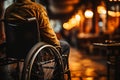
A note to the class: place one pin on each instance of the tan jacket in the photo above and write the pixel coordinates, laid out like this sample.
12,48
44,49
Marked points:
27,9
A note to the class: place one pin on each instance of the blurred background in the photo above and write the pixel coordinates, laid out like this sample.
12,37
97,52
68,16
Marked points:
82,23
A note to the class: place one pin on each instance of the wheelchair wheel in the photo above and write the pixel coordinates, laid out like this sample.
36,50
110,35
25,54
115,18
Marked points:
43,62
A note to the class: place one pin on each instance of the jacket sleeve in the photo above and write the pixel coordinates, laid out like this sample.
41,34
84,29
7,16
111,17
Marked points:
47,33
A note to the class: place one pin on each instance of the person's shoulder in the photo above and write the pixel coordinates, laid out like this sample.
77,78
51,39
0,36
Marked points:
38,5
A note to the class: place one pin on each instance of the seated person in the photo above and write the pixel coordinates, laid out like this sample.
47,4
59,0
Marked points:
22,9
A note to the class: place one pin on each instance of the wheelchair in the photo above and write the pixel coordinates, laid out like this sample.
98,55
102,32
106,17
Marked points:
41,61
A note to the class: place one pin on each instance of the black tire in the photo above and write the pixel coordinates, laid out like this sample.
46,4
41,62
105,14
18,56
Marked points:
43,62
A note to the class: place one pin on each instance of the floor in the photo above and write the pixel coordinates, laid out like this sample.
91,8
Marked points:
84,66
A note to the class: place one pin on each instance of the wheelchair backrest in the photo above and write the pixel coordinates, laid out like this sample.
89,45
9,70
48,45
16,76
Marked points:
21,37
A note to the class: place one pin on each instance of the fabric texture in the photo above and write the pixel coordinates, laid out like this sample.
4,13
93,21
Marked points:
27,9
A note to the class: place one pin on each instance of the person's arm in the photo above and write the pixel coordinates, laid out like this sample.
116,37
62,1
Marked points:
47,33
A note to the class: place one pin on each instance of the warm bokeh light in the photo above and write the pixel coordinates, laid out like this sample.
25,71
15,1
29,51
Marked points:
89,78
114,0
65,25
88,14
77,17
73,22
114,14
101,10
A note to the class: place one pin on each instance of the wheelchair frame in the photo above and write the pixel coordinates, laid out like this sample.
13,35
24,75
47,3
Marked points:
36,63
